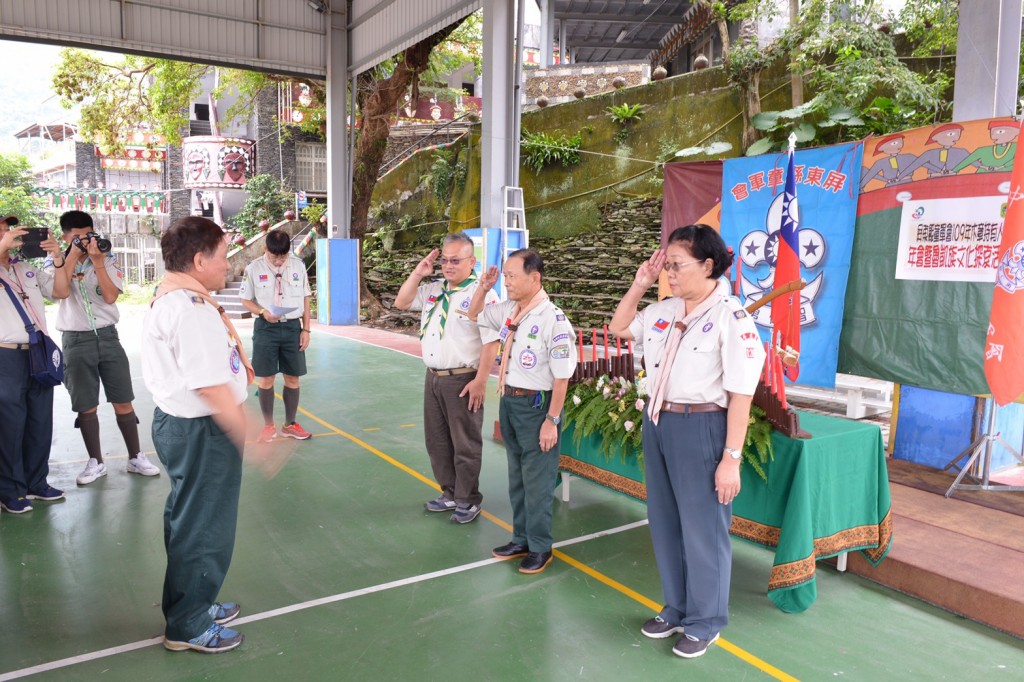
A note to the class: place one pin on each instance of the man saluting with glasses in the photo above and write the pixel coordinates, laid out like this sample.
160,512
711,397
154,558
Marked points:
453,393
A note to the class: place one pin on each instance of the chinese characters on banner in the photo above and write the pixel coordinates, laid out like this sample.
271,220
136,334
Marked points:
827,182
951,240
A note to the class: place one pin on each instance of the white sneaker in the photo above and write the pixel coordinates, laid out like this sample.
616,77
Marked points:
142,466
92,471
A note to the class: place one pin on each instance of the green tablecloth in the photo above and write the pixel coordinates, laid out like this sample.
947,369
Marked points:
825,495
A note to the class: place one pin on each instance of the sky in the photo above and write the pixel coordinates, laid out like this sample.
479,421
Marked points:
26,70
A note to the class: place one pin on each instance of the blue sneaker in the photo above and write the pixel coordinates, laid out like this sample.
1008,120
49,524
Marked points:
215,640
47,494
224,612
15,505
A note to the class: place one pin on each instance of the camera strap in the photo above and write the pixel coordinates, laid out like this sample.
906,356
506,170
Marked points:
84,290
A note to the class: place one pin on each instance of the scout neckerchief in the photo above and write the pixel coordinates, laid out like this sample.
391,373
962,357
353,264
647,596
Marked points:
278,279
518,313
79,276
444,300
174,281
16,285
719,294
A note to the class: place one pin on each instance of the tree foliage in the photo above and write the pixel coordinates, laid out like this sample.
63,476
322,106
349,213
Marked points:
16,183
266,200
847,61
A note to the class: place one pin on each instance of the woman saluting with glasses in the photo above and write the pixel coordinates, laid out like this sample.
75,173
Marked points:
703,358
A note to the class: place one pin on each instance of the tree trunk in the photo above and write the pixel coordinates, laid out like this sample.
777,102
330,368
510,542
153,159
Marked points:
751,107
796,79
378,101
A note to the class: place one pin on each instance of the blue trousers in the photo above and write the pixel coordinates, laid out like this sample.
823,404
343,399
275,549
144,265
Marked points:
205,468
26,413
532,473
689,527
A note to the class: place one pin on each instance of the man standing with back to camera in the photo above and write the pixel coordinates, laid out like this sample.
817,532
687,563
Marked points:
195,366
278,282
88,284
453,393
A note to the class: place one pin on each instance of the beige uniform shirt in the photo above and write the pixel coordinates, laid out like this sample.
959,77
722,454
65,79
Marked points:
460,345
73,314
543,348
721,351
185,347
259,281
22,277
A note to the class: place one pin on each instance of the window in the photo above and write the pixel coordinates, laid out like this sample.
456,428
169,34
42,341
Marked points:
311,167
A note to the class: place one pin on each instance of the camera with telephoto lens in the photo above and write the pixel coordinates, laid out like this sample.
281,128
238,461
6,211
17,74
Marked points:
83,242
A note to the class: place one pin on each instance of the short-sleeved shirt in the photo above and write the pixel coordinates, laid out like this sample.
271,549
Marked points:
36,285
73,314
460,344
720,351
186,347
259,281
542,349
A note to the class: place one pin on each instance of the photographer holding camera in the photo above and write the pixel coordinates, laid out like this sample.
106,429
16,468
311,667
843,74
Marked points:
26,406
87,284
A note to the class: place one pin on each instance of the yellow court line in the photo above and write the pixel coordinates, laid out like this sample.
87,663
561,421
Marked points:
742,654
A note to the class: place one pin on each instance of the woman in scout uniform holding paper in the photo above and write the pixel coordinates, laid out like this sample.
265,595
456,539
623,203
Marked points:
704,358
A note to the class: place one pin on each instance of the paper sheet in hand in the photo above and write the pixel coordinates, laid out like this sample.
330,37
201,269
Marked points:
280,311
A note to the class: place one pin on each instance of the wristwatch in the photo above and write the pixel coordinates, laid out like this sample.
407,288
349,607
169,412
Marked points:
554,420
735,454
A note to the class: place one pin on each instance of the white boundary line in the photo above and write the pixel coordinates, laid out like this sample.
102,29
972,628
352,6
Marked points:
142,644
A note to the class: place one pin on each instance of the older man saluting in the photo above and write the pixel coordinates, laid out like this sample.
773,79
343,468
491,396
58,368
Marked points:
537,359
453,393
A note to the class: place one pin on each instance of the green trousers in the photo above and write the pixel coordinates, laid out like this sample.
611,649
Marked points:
205,468
532,474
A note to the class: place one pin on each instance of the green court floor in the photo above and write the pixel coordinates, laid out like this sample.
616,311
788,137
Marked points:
343,576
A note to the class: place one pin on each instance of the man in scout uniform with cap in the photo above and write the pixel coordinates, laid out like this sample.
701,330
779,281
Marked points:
87,283
276,290
538,358
453,393
26,406
195,366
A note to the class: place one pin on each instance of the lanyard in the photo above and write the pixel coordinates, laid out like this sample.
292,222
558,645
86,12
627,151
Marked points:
84,290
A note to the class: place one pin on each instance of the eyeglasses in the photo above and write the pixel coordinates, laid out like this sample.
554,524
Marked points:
453,261
676,267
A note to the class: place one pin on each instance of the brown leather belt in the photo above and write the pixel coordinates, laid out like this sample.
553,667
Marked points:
452,372
514,392
687,408
14,346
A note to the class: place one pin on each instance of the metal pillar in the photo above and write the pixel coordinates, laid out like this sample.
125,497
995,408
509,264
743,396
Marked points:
988,49
339,180
497,127
547,32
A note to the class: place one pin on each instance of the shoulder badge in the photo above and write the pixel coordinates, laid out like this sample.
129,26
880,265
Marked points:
739,314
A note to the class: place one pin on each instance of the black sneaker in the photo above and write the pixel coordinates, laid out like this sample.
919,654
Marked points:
47,494
658,628
510,551
689,647
535,562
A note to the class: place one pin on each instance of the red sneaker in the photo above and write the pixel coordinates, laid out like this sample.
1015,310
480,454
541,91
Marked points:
268,434
294,430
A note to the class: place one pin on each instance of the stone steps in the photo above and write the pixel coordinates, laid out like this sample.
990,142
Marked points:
229,300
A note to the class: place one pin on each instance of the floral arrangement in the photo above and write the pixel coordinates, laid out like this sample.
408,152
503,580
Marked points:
612,409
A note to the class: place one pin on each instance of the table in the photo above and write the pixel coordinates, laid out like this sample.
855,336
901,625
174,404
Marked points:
825,495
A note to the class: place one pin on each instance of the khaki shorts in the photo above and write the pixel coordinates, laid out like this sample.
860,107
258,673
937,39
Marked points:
93,358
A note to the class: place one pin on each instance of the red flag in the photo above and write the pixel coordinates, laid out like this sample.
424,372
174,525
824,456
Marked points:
786,309
1004,346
